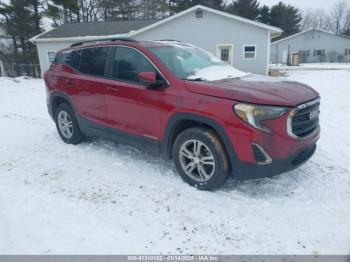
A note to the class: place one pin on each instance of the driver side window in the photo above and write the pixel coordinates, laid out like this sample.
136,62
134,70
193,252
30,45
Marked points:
128,63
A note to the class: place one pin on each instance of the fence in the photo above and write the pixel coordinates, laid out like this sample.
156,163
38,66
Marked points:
17,69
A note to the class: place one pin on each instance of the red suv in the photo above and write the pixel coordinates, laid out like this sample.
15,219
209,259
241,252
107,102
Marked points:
180,100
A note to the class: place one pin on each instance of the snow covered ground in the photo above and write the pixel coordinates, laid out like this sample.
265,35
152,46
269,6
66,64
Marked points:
100,198
313,66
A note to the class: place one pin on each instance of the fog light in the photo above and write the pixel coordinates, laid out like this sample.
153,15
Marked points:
261,157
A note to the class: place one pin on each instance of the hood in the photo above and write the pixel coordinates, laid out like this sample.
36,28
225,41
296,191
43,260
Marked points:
256,89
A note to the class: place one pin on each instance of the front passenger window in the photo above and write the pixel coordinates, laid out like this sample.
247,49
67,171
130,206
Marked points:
128,63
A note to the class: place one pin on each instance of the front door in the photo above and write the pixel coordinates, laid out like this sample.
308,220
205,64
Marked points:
131,107
225,53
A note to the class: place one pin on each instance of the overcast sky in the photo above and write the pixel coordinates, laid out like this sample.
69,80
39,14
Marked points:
304,4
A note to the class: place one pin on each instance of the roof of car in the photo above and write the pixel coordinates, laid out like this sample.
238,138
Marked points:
131,42
97,28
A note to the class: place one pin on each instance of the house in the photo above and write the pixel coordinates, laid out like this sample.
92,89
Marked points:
313,46
240,42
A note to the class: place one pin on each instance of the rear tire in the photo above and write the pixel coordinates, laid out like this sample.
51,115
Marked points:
67,125
201,159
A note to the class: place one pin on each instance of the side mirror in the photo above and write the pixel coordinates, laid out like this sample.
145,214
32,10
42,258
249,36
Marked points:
150,78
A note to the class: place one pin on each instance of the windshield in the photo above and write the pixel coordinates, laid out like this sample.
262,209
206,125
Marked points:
193,63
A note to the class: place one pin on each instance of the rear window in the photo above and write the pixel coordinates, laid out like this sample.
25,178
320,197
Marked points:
90,61
73,59
60,58
93,61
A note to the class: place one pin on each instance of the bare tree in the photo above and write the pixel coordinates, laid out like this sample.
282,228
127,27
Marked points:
153,9
316,19
338,15
346,28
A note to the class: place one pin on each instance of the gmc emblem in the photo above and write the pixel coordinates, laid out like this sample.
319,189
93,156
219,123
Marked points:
314,114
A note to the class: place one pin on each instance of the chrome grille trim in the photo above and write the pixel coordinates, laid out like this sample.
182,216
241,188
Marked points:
294,112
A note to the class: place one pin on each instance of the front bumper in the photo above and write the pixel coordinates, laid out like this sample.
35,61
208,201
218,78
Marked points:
244,171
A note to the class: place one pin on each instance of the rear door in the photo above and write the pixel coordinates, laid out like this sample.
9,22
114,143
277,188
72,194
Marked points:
88,87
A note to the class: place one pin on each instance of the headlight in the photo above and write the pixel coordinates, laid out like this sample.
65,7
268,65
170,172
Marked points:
255,114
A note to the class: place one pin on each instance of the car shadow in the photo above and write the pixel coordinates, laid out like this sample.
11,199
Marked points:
279,186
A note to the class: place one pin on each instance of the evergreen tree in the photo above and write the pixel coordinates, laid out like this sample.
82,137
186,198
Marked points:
264,15
21,19
286,17
245,8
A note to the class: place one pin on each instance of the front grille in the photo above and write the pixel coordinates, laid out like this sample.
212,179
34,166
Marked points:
302,122
304,155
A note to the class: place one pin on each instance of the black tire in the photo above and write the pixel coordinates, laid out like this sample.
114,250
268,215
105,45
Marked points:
210,139
77,136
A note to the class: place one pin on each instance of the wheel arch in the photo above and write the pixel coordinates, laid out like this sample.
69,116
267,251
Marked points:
172,130
56,99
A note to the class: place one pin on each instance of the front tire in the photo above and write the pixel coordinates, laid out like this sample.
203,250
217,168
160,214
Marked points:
201,159
67,125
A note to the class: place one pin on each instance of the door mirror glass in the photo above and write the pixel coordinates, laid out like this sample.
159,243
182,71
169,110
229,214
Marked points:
148,77
151,79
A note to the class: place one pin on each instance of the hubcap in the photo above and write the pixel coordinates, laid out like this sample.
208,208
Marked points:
197,160
65,124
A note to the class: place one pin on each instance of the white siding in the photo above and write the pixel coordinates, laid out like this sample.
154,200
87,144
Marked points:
213,29
312,40
44,47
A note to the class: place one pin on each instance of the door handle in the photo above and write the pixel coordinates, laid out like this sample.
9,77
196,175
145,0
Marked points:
70,82
113,88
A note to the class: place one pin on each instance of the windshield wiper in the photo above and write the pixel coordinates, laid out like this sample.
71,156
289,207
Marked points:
194,79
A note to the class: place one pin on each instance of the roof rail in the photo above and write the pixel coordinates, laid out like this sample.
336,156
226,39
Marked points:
168,40
126,39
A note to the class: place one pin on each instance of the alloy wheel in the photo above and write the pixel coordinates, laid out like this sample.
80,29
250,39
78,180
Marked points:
197,160
65,124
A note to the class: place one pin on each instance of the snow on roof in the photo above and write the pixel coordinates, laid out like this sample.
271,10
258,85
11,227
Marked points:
96,29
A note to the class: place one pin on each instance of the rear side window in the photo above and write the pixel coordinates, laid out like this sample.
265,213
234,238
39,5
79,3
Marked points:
93,61
73,59
60,58
51,56
128,63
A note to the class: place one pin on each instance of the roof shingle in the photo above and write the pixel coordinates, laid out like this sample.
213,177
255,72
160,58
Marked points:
96,28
